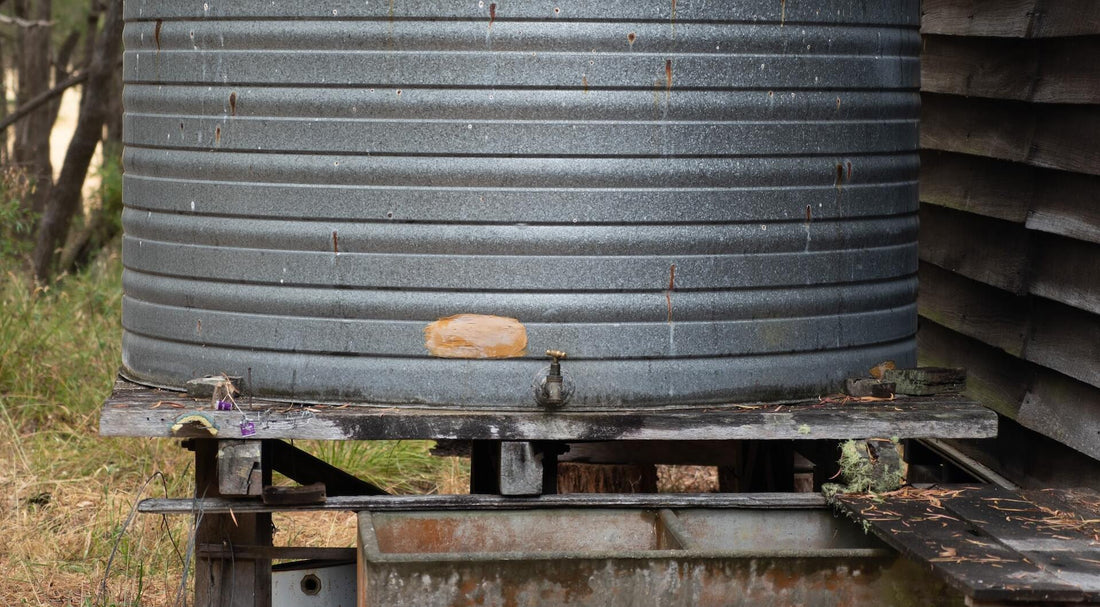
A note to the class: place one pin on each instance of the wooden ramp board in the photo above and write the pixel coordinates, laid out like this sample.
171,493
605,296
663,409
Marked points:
134,410
993,544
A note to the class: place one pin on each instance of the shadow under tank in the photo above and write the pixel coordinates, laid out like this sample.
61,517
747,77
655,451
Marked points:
696,201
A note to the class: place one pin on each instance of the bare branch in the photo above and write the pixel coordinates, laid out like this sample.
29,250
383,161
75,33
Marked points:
45,97
24,22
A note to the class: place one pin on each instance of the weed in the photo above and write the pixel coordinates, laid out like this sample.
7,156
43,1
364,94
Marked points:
862,473
16,220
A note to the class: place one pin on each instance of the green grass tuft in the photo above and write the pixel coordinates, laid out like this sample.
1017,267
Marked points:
65,492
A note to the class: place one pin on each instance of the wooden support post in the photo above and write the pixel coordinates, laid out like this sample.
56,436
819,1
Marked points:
239,468
520,468
514,467
222,581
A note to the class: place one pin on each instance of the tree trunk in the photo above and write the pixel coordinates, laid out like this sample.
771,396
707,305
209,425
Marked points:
114,112
64,200
61,69
4,158
32,143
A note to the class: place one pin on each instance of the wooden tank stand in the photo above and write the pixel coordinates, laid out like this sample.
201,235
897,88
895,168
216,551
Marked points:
515,452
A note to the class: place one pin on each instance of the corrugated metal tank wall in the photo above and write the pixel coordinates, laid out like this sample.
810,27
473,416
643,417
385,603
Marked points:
697,201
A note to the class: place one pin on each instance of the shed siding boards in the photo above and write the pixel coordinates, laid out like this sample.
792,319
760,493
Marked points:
1010,208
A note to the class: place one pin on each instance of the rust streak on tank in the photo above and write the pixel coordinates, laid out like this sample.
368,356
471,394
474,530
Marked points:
492,14
217,134
476,336
233,103
335,242
809,214
849,170
782,12
156,32
668,75
839,176
631,37
671,287
584,83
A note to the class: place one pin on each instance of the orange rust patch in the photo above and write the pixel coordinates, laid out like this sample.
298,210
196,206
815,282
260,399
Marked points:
476,336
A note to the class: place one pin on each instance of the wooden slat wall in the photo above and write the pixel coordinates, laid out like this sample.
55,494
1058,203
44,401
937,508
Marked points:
1010,208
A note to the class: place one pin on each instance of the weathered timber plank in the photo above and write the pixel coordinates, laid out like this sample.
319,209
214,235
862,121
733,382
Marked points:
994,378
153,412
924,381
1042,400
1065,339
918,525
1043,463
520,469
409,503
975,184
1011,257
313,493
1065,137
1026,519
1042,71
1010,18
226,552
1063,409
223,583
1058,540
1050,201
1067,204
1068,271
239,468
987,250
1044,332
986,313
1083,502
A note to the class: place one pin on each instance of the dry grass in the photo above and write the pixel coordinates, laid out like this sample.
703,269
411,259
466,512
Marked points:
66,493
687,479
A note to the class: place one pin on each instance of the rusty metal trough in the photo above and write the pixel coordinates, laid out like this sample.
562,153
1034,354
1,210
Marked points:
613,557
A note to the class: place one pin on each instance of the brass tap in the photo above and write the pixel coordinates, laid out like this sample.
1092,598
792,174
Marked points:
552,388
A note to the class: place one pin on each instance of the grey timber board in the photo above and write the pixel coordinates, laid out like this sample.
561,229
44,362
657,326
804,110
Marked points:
992,544
1011,18
152,413
407,503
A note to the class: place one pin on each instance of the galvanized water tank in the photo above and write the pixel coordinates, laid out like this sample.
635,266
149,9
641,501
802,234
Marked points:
696,201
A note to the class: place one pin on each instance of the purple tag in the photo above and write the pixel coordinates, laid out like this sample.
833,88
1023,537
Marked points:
224,405
248,428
